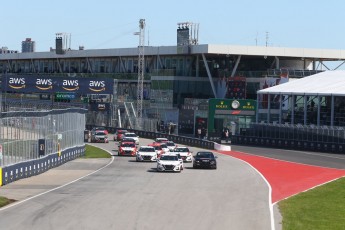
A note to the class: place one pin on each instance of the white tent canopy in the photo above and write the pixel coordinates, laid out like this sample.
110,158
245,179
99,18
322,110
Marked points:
327,83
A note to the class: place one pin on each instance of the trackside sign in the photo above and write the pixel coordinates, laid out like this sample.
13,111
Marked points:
46,84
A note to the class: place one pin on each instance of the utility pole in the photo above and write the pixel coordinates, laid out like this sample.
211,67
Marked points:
141,67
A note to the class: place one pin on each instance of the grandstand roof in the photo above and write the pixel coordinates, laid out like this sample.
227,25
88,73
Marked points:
264,51
324,84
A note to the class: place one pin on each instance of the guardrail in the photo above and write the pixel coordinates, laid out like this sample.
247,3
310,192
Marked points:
191,141
34,167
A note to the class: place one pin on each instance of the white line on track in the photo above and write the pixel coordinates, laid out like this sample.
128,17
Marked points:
327,155
270,205
64,185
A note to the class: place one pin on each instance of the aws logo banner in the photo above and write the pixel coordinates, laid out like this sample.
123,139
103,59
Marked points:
28,84
100,86
47,84
44,84
70,85
16,83
86,85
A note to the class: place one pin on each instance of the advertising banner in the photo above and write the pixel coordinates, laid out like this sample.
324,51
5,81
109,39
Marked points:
46,84
100,107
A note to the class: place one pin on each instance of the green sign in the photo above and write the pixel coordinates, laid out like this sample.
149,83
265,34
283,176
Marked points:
229,107
64,95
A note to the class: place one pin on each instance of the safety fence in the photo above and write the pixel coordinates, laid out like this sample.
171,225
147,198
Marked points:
28,139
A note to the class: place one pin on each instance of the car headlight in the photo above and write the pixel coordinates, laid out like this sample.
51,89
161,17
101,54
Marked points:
212,162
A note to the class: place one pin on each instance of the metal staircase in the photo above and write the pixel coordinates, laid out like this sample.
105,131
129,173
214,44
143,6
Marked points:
130,113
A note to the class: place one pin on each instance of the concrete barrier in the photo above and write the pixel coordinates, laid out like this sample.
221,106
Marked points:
222,147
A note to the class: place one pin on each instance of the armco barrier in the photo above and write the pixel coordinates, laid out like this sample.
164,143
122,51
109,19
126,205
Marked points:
245,140
191,141
34,167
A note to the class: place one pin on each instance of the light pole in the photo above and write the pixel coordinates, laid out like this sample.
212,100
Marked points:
141,67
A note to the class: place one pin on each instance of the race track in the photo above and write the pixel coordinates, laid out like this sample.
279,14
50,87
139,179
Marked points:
132,195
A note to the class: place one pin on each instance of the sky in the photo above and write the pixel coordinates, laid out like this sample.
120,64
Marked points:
105,24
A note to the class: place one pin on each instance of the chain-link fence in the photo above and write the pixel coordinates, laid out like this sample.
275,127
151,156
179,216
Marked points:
21,133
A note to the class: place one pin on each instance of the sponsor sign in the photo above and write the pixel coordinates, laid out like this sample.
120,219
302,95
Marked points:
41,147
46,84
100,107
60,95
229,107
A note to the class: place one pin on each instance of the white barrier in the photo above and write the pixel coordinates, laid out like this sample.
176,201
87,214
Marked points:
222,147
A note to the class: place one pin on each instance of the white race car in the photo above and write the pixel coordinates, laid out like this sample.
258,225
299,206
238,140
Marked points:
132,135
169,162
161,139
171,145
185,153
146,153
165,148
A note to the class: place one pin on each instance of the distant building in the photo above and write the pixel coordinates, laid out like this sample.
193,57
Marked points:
5,50
28,46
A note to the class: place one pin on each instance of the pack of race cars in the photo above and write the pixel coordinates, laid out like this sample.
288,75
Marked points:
168,155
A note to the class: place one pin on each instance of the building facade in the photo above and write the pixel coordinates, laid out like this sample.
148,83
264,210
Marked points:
176,73
28,46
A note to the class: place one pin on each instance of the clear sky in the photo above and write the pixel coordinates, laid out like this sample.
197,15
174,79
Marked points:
106,24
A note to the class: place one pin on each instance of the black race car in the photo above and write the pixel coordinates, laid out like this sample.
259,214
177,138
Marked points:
205,160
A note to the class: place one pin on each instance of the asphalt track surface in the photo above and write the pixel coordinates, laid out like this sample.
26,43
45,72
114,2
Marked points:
291,172
123,194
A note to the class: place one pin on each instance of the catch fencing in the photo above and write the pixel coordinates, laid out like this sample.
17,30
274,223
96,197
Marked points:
28,135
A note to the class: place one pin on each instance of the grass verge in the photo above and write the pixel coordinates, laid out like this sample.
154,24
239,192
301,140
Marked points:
5,201
94,152
320,208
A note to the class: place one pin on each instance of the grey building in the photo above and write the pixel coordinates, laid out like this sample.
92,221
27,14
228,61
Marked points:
28,46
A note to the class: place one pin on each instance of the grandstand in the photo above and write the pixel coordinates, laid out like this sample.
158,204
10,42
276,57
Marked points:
176,79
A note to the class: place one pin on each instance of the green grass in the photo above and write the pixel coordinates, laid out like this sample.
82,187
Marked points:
5,201
94,152
319,208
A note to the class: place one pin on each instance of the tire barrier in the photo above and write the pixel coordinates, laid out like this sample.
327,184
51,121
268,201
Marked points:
30,168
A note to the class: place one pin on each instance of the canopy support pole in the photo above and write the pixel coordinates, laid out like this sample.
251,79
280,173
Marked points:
332,110
305,110
318,110
269,108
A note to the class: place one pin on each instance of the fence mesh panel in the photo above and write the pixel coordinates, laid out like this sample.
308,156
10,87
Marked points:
20,132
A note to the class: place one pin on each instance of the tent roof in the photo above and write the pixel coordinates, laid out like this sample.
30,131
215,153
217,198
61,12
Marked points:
326,83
